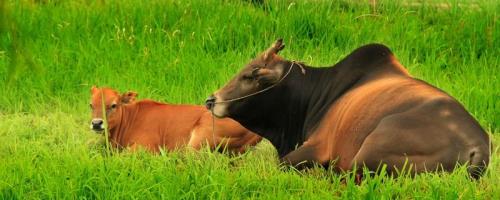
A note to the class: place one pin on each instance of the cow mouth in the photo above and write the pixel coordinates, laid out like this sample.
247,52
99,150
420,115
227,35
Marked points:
216,106
219,110
216,115
98,130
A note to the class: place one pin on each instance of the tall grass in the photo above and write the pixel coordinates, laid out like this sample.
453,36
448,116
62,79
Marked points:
181,51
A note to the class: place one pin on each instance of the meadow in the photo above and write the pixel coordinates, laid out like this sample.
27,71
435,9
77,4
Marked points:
179,51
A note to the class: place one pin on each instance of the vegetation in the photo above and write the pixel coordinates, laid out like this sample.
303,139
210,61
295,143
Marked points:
52,51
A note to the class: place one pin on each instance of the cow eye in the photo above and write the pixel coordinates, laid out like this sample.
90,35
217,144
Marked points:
255,72
91,107
248,77
113,106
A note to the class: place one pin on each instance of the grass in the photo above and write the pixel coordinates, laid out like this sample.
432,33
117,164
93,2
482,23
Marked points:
181,51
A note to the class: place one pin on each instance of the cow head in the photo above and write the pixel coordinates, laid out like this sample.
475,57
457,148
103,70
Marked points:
260,73
112,104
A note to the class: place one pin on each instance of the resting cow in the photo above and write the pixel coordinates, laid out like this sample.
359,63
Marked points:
152,125
365,110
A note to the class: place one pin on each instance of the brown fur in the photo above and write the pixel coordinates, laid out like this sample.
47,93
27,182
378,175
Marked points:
153,125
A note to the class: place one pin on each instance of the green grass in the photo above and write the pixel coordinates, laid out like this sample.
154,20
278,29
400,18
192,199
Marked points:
181,51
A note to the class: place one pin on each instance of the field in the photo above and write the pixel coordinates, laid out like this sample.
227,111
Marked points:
52,52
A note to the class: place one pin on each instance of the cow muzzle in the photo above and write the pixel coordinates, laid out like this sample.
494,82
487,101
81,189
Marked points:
216,105
210,102
97,125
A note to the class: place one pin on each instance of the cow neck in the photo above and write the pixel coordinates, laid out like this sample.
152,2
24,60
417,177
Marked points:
298,105
118,133
325,85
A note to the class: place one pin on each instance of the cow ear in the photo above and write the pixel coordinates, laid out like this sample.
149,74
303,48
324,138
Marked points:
274,49
128,97
93,89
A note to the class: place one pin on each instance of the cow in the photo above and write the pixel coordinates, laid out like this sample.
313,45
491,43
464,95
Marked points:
364,111
153,125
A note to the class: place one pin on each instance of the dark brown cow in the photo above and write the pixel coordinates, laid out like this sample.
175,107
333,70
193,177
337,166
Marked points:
152,125
365,110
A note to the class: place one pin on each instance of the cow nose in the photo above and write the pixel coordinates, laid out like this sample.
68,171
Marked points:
97,122
210,102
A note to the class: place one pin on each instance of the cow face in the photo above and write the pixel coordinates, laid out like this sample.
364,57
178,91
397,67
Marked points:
112,104
260,73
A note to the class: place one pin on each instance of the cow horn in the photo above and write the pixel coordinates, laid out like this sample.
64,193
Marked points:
274,49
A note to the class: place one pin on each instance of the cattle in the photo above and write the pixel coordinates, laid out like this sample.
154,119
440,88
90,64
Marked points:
153,125
364,111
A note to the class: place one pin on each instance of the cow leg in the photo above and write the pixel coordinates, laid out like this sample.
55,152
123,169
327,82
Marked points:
195,141
415,139
201,137
133,148
303,157
136,146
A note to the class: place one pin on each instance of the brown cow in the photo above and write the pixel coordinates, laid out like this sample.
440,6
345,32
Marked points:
152,125
365,110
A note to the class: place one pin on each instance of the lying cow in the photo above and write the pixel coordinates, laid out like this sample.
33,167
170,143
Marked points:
365,110
152,125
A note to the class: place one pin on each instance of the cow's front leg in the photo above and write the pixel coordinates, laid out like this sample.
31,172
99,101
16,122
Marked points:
305,156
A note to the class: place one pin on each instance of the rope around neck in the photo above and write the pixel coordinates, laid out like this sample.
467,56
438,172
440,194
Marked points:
268,88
